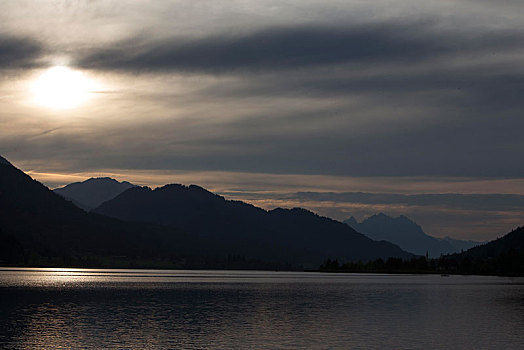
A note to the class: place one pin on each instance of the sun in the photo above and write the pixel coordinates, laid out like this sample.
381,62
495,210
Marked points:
60,87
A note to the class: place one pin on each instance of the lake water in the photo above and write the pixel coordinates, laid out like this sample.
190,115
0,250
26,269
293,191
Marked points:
153,309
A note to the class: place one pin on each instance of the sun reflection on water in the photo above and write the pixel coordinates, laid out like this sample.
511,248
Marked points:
47,308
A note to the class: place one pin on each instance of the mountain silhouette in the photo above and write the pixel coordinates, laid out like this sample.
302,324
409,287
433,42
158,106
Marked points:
92,192
210,216
460,244
39,227
403,232
4,161
513,241
503,256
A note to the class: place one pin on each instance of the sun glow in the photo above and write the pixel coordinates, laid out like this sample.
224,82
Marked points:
60,87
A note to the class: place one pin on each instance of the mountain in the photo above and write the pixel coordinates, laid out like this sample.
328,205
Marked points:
460,245
39,227
504,255
513,241
402,232
296,234
92,192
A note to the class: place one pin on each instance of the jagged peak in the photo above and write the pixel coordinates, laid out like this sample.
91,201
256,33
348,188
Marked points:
405,218
351,221
383,216
380,216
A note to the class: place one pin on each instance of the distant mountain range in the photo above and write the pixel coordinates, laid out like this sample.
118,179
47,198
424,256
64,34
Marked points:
179,226
202,213
462,245
91,193
408,235
401,231
503,257
172,226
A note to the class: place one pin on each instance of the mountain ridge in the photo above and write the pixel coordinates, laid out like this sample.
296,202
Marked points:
92,192
199,211
502,256
4,161
41,228
407,234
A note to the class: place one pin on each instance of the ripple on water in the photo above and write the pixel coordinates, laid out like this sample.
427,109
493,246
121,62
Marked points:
78,308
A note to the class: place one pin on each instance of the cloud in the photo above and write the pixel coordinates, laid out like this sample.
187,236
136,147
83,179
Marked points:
503,202
352,89
18,52
287,48
465,216
380,99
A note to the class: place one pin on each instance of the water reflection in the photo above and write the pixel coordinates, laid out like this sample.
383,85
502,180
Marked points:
75,308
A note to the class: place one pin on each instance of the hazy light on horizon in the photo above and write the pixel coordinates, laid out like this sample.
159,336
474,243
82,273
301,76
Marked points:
474,209
331,96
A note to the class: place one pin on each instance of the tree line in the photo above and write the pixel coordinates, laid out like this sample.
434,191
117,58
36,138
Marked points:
510,263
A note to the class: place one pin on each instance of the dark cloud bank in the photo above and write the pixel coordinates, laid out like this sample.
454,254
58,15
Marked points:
16,52
406,99
445,118
468,216
292,48
501,202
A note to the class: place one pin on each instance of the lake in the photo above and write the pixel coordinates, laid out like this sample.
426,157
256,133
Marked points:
159,309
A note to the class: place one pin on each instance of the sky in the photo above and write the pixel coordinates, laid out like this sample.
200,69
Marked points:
347,108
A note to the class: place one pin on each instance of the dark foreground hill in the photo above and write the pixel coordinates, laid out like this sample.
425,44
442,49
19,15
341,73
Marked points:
408,235
210,216
504,255
39,227
513,241
92,192
460,244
